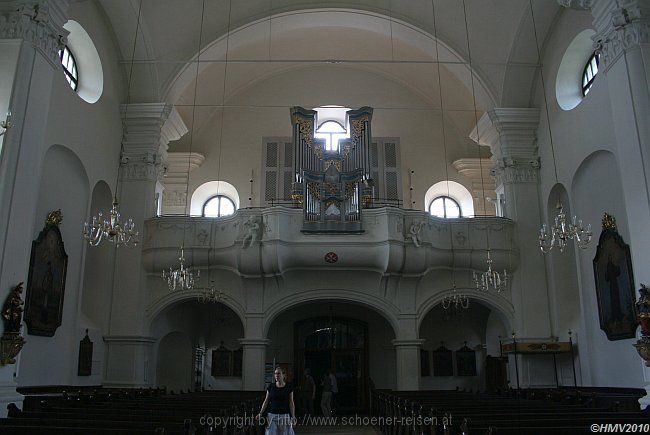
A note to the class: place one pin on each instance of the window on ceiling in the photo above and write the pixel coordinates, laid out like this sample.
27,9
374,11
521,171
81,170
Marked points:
218,206
331,132
445,207
589,73
69,65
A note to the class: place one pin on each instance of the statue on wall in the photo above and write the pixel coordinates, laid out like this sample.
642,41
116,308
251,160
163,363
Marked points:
253,234
11,341
414,232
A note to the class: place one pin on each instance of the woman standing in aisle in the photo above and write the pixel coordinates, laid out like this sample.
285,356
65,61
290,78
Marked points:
282,410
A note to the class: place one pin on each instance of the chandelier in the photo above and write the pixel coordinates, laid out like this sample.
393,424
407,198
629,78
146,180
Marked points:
111,229
561,233
455,300
490,279
181,278
210,295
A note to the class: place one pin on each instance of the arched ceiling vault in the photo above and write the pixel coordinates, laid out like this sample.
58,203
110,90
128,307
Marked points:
394,36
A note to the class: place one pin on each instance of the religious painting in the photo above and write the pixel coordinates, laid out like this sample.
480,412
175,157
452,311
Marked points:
46,280
442,362
85,365
614,283
221,361
465,361
425,368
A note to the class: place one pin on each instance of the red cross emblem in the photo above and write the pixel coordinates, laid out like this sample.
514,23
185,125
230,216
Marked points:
331,257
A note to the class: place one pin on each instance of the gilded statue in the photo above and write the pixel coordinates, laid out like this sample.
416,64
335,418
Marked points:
12,310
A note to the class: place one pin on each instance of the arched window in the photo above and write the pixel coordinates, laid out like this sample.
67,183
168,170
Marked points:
332,132
69,67
445,207
589,73
218,206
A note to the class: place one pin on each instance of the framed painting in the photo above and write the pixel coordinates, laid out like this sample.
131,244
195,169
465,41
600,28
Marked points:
46,280
465,361
221,361
442,362
614,283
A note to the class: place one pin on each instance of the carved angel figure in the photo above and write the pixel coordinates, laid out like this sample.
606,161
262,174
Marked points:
253,232
414,233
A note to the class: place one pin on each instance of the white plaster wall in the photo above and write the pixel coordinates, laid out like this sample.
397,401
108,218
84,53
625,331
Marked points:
63,185
613,363
91,136
577,134
174,368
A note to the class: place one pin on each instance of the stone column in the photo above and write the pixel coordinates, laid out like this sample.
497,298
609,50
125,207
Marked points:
623,38
253,363
31,33
176,178
407,358
511,135
148,128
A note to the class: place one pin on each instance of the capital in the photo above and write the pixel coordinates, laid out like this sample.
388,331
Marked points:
620,25
576,4
39,22
148,128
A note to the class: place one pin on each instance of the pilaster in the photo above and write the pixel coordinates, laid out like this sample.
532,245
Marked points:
511,135
407,358
479,172
176,178
31,33
147,131
254,357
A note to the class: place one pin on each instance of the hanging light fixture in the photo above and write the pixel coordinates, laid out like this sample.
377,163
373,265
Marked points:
112,229
454,301
560,233
181,278
489,279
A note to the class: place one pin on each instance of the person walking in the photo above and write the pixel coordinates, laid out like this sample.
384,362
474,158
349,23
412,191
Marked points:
282,411
335,389
307,393
326,397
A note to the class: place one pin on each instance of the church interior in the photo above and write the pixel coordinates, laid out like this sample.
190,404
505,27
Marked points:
443,203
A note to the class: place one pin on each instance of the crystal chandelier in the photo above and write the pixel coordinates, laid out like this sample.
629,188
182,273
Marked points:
210,295
111,229
561,233
455,300
181,278
490,279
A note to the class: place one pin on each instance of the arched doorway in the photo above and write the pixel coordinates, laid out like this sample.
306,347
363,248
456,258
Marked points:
456,331
339,344
209,356
350,338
